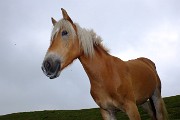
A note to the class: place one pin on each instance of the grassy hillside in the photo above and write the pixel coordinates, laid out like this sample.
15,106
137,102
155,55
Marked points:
172,104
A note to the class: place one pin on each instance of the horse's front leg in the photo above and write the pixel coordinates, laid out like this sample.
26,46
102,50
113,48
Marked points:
108,114
132,111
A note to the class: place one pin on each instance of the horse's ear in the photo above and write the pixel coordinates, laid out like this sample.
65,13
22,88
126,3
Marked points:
66,16
53,21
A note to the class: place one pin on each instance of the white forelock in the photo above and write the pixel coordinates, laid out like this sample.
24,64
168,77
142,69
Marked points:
62,25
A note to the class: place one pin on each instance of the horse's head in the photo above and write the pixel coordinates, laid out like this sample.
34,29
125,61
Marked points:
64,46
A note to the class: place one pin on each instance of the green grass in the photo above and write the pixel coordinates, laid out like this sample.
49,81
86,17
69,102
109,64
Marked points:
172,104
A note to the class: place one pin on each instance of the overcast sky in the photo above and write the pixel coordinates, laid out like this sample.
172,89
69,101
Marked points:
129,28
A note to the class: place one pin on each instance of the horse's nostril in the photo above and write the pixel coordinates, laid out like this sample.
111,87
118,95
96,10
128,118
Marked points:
47,65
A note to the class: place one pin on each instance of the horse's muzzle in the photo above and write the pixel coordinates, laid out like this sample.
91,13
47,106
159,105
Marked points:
51,68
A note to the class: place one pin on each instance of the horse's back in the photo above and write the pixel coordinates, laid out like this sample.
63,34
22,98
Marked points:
142,72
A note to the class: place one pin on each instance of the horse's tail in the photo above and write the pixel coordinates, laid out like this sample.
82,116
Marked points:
164,110
165,113
161,101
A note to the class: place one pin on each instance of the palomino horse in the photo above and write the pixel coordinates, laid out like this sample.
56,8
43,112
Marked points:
115,84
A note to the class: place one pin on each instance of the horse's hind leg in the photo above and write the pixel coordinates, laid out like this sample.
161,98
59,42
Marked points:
161,113
148,107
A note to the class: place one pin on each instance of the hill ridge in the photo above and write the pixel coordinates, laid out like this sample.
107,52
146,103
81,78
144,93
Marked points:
172,104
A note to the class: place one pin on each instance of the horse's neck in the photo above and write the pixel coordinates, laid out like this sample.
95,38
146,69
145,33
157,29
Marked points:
97,66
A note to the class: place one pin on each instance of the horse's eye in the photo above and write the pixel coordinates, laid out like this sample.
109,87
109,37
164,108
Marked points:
64,32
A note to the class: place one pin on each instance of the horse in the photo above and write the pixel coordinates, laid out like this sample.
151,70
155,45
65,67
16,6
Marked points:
115,84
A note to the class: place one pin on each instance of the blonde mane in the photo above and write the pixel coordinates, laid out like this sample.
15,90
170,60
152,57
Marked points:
87,38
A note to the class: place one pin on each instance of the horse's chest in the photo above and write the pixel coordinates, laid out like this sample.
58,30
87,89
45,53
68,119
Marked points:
104,99
104,92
